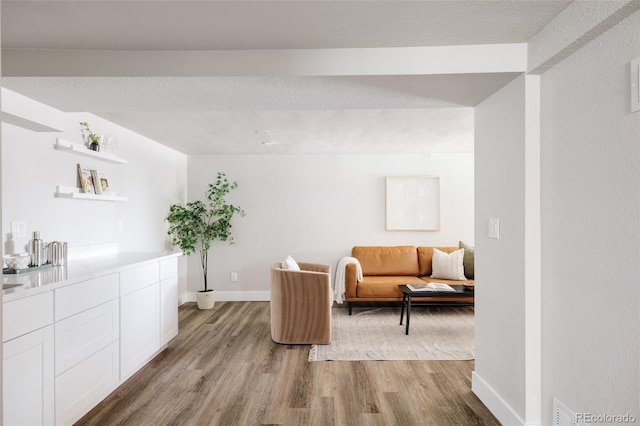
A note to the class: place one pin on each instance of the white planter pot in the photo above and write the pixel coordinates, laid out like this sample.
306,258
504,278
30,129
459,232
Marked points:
206,299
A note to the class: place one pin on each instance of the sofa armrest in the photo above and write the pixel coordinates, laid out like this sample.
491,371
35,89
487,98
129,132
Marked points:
350,280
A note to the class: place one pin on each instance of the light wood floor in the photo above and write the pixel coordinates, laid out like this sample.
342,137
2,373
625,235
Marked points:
224,369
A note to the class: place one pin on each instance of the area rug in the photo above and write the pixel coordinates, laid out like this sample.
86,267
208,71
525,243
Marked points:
435,333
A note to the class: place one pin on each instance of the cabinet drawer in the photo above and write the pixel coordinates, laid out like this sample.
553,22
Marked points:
80,388
84,334
135,279
24,315
168,268
79,297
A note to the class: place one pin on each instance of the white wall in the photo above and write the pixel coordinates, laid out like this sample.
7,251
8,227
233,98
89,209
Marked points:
500,264
316,208
591,228
154,178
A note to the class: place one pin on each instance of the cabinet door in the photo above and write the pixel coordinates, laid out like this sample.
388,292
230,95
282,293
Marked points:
84,385
139,328
27,379
168,309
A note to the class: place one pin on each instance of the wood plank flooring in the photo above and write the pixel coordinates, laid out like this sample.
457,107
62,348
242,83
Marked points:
224,369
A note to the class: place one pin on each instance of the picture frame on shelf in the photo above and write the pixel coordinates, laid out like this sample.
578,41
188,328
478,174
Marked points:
103,183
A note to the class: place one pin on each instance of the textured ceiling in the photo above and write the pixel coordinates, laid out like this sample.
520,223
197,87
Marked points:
307,114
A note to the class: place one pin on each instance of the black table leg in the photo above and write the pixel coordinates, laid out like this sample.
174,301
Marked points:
404,301
408,312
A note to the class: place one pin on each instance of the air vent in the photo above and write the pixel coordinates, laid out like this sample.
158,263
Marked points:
562,416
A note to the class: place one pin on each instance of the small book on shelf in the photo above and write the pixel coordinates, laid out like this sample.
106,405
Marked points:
86,180
96,181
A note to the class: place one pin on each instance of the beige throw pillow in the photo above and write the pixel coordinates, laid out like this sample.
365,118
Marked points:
448,266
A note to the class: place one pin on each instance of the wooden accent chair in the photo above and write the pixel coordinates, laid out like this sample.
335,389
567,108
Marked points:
301,304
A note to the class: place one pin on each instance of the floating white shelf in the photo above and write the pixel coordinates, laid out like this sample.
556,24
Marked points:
64,145
75,193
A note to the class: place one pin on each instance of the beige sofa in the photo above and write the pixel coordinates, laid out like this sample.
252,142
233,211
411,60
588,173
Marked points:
386,267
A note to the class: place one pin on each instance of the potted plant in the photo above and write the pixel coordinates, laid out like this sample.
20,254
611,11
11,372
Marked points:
92,140
195,226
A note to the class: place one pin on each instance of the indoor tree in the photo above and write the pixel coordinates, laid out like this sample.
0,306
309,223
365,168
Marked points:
195,226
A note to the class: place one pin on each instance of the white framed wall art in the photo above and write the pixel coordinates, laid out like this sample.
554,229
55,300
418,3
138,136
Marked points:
412,203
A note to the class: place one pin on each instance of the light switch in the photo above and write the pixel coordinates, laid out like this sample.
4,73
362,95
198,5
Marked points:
18,230
494,228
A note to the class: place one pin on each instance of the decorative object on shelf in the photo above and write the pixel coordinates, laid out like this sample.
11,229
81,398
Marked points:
92,140
103,183
109,143
195,226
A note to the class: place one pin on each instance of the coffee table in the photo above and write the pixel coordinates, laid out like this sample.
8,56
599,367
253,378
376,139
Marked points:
407,294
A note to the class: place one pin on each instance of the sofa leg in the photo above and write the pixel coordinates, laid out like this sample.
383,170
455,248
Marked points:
349,303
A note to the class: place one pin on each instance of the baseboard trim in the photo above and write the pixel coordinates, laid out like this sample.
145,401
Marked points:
494,402
230,296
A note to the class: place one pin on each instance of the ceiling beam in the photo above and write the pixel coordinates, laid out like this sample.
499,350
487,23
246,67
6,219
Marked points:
466,59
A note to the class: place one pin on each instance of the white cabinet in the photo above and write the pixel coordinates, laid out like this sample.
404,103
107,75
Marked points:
27,379
140,328
66,349
28,361
87,332
85,384
168,300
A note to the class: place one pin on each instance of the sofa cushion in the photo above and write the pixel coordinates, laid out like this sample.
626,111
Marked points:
383,286
448,266
469,260
425,256
387,261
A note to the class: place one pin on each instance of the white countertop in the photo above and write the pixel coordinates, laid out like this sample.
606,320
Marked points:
75,271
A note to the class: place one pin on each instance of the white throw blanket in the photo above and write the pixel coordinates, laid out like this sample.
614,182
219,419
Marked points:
339,282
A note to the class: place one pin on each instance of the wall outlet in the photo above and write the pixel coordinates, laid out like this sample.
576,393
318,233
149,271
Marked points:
18,230
234,277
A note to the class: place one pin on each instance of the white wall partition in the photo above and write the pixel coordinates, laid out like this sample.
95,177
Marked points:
500,263
591,228
316,208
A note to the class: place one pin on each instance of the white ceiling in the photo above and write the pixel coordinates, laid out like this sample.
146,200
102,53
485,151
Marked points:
306,114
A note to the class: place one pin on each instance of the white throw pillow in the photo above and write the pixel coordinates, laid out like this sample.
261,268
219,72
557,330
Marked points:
290,264
448,266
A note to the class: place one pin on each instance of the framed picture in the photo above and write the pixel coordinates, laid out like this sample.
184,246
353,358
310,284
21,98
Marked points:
103,180
413,203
